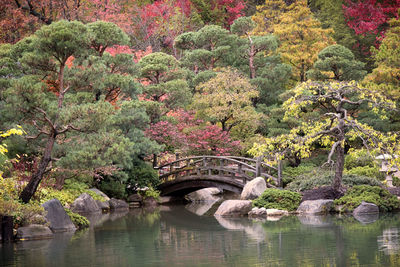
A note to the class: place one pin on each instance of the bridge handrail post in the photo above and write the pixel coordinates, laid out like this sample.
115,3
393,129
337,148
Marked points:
279,173
178,165
221,165
258,167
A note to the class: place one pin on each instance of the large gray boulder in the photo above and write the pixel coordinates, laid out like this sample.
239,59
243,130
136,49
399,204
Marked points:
204,195
34,232
320,206
118,204
103,205
258,212
135,198
57,217
85,204
200,208
267,213
100,193
150,202
233,208
254,189
366,208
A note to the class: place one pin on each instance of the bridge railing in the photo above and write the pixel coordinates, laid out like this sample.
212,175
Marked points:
239,168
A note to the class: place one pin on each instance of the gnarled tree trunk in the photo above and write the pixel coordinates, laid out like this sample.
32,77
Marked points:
37,177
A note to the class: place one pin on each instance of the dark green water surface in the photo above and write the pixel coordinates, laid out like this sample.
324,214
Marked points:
175,236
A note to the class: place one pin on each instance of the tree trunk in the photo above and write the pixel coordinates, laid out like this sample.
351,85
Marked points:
337,182
251,59
37,177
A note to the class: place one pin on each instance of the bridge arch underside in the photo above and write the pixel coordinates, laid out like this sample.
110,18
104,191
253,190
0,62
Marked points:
185,185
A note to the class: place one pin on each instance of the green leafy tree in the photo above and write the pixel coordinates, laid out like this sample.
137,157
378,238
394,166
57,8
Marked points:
205,49
73,127
336,127
338,63
164,84
261,61
226,100
330,14
386,76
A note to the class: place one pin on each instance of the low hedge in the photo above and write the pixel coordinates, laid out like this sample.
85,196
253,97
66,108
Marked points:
318,179
278,199
372,194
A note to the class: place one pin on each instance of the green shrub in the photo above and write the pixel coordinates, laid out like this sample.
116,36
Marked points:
278,199
23,214
113,188
358,158
291,173
319,178
67,195
353,180
372,194
10,205
150,192
79,221
396,181
141,175
299,170
8,188
367,171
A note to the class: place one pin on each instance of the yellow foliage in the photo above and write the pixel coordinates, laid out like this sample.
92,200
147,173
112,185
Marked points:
13,131
268,15
301,35
325,132
226,100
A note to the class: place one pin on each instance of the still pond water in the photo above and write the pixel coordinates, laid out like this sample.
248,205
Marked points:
177,236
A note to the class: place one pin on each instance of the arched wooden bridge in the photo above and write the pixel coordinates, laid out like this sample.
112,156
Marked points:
186,175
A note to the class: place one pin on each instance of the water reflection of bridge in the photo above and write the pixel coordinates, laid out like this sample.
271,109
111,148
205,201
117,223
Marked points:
186,175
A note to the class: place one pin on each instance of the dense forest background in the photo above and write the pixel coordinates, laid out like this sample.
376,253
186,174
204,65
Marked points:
102,88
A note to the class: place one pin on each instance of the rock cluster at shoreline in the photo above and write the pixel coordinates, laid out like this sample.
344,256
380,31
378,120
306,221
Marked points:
57,219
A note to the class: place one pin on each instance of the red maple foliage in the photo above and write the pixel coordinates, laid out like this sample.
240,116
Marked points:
192,136
234,9
368,16
19,18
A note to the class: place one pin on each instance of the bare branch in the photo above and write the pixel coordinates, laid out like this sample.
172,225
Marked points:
46,117
330,161
359,102
65,90
36,136
29,7
69,127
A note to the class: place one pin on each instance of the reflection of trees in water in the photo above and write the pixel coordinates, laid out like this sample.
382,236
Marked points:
180,237
389,241
194,240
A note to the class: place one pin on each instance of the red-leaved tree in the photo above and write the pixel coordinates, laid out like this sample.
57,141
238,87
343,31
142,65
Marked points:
370,16
191,136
